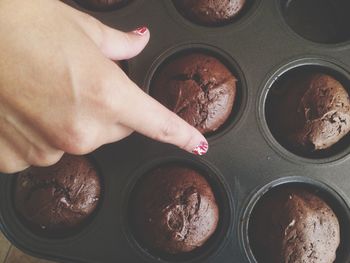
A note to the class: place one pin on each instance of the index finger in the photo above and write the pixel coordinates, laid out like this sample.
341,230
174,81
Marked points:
144,114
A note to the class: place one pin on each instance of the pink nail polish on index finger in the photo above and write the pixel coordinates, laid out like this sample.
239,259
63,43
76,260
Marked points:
140,30
201,149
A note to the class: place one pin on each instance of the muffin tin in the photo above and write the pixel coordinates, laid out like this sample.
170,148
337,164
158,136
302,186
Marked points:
244,161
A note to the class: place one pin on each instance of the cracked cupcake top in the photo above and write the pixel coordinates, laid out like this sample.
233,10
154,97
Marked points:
313,111
59,197
294,225
209,12
174,209
197,87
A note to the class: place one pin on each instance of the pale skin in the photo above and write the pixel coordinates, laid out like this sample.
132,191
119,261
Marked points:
61,91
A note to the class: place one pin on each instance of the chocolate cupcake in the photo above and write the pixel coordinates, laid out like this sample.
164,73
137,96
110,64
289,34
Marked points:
208,12
102,5
197,87
59,198
311,112
292,224
173,210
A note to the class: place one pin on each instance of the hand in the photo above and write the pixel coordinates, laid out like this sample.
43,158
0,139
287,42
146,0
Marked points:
61,92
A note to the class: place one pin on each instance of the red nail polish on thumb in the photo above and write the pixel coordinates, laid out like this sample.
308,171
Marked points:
140,30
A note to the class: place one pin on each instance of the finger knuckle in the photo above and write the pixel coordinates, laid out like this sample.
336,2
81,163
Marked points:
167,129
12,166
76,139
81,138
78,142
43,158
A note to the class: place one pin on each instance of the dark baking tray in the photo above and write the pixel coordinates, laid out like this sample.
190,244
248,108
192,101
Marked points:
244,160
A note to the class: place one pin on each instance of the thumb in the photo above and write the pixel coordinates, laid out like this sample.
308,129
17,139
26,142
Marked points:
115,44
118,45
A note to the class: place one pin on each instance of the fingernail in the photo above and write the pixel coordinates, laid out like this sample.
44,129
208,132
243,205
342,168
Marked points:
140,31
201,149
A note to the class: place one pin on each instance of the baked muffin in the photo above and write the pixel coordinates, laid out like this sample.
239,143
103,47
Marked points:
174,210
311,112
209,12
102,5
57,199
293,225
197,87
